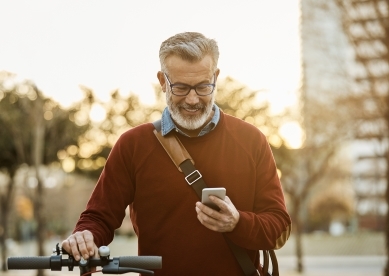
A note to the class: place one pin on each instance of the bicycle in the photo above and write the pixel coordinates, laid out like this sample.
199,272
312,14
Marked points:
116,265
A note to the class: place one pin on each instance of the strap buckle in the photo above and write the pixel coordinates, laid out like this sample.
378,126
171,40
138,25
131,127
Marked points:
192,175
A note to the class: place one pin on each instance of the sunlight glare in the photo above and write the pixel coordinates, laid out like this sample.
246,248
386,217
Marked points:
293,134
97,113
68,164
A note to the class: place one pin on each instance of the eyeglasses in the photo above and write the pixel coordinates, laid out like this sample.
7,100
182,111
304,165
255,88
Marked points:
181,89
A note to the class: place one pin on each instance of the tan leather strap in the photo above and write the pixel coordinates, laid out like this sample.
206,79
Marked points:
174,148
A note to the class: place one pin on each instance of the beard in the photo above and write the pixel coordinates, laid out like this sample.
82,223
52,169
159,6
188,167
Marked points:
190,122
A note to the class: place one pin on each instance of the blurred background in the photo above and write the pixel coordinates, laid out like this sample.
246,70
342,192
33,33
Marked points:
312,75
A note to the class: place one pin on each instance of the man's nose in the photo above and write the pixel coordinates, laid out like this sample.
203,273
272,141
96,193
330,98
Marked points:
192,97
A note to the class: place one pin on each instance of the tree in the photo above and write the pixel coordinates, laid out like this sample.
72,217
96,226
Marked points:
109,120
244,103
320,162
33,129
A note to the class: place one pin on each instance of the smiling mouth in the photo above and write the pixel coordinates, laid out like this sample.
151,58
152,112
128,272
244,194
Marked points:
193,110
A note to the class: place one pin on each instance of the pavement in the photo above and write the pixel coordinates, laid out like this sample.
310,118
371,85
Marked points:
351,262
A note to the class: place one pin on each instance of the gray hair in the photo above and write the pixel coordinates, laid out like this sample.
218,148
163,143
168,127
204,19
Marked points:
189,46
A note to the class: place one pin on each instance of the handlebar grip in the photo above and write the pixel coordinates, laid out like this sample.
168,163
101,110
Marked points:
145,262
28,262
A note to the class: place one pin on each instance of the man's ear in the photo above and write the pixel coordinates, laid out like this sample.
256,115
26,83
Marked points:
217,72
162,80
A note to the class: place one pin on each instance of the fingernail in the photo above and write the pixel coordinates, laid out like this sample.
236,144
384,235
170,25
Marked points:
86,256
91,253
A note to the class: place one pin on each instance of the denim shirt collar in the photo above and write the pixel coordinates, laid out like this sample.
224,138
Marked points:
167,124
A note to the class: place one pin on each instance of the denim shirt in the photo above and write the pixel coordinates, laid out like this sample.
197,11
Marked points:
168,125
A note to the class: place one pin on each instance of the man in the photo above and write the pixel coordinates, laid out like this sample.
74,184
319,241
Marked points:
165,211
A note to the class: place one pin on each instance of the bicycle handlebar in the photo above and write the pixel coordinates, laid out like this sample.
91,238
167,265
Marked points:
118,265
147,262
29,263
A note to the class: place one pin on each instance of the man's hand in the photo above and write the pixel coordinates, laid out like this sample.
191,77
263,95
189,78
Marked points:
224,220
81,244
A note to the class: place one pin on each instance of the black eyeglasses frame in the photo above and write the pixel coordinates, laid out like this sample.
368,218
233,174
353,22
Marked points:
190,87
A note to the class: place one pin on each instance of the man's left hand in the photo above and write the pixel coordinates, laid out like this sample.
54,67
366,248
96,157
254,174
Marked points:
223,220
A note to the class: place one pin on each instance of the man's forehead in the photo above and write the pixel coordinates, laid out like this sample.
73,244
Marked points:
176,61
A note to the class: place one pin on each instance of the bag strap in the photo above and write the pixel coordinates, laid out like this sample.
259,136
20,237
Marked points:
182,160
274,262
193,177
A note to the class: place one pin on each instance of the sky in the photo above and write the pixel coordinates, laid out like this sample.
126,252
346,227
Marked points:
108,45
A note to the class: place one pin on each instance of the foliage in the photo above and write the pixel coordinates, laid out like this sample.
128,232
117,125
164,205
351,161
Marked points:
32,130
240,101
117,115
17,119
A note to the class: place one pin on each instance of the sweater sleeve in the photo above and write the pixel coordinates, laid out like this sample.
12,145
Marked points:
268,225
105,209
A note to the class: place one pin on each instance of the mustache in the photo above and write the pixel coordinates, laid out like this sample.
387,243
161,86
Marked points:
188,106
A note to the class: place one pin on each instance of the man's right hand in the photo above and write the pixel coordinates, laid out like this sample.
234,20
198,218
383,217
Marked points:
81,244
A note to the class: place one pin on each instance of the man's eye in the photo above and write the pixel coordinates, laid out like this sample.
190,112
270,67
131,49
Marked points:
180,88
203,88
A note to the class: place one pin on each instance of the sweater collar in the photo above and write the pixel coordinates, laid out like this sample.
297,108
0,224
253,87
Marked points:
167,124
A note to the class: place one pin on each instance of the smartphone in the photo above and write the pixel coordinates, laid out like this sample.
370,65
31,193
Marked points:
219,192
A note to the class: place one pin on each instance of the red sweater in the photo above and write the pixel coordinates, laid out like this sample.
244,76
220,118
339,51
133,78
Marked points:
139,173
